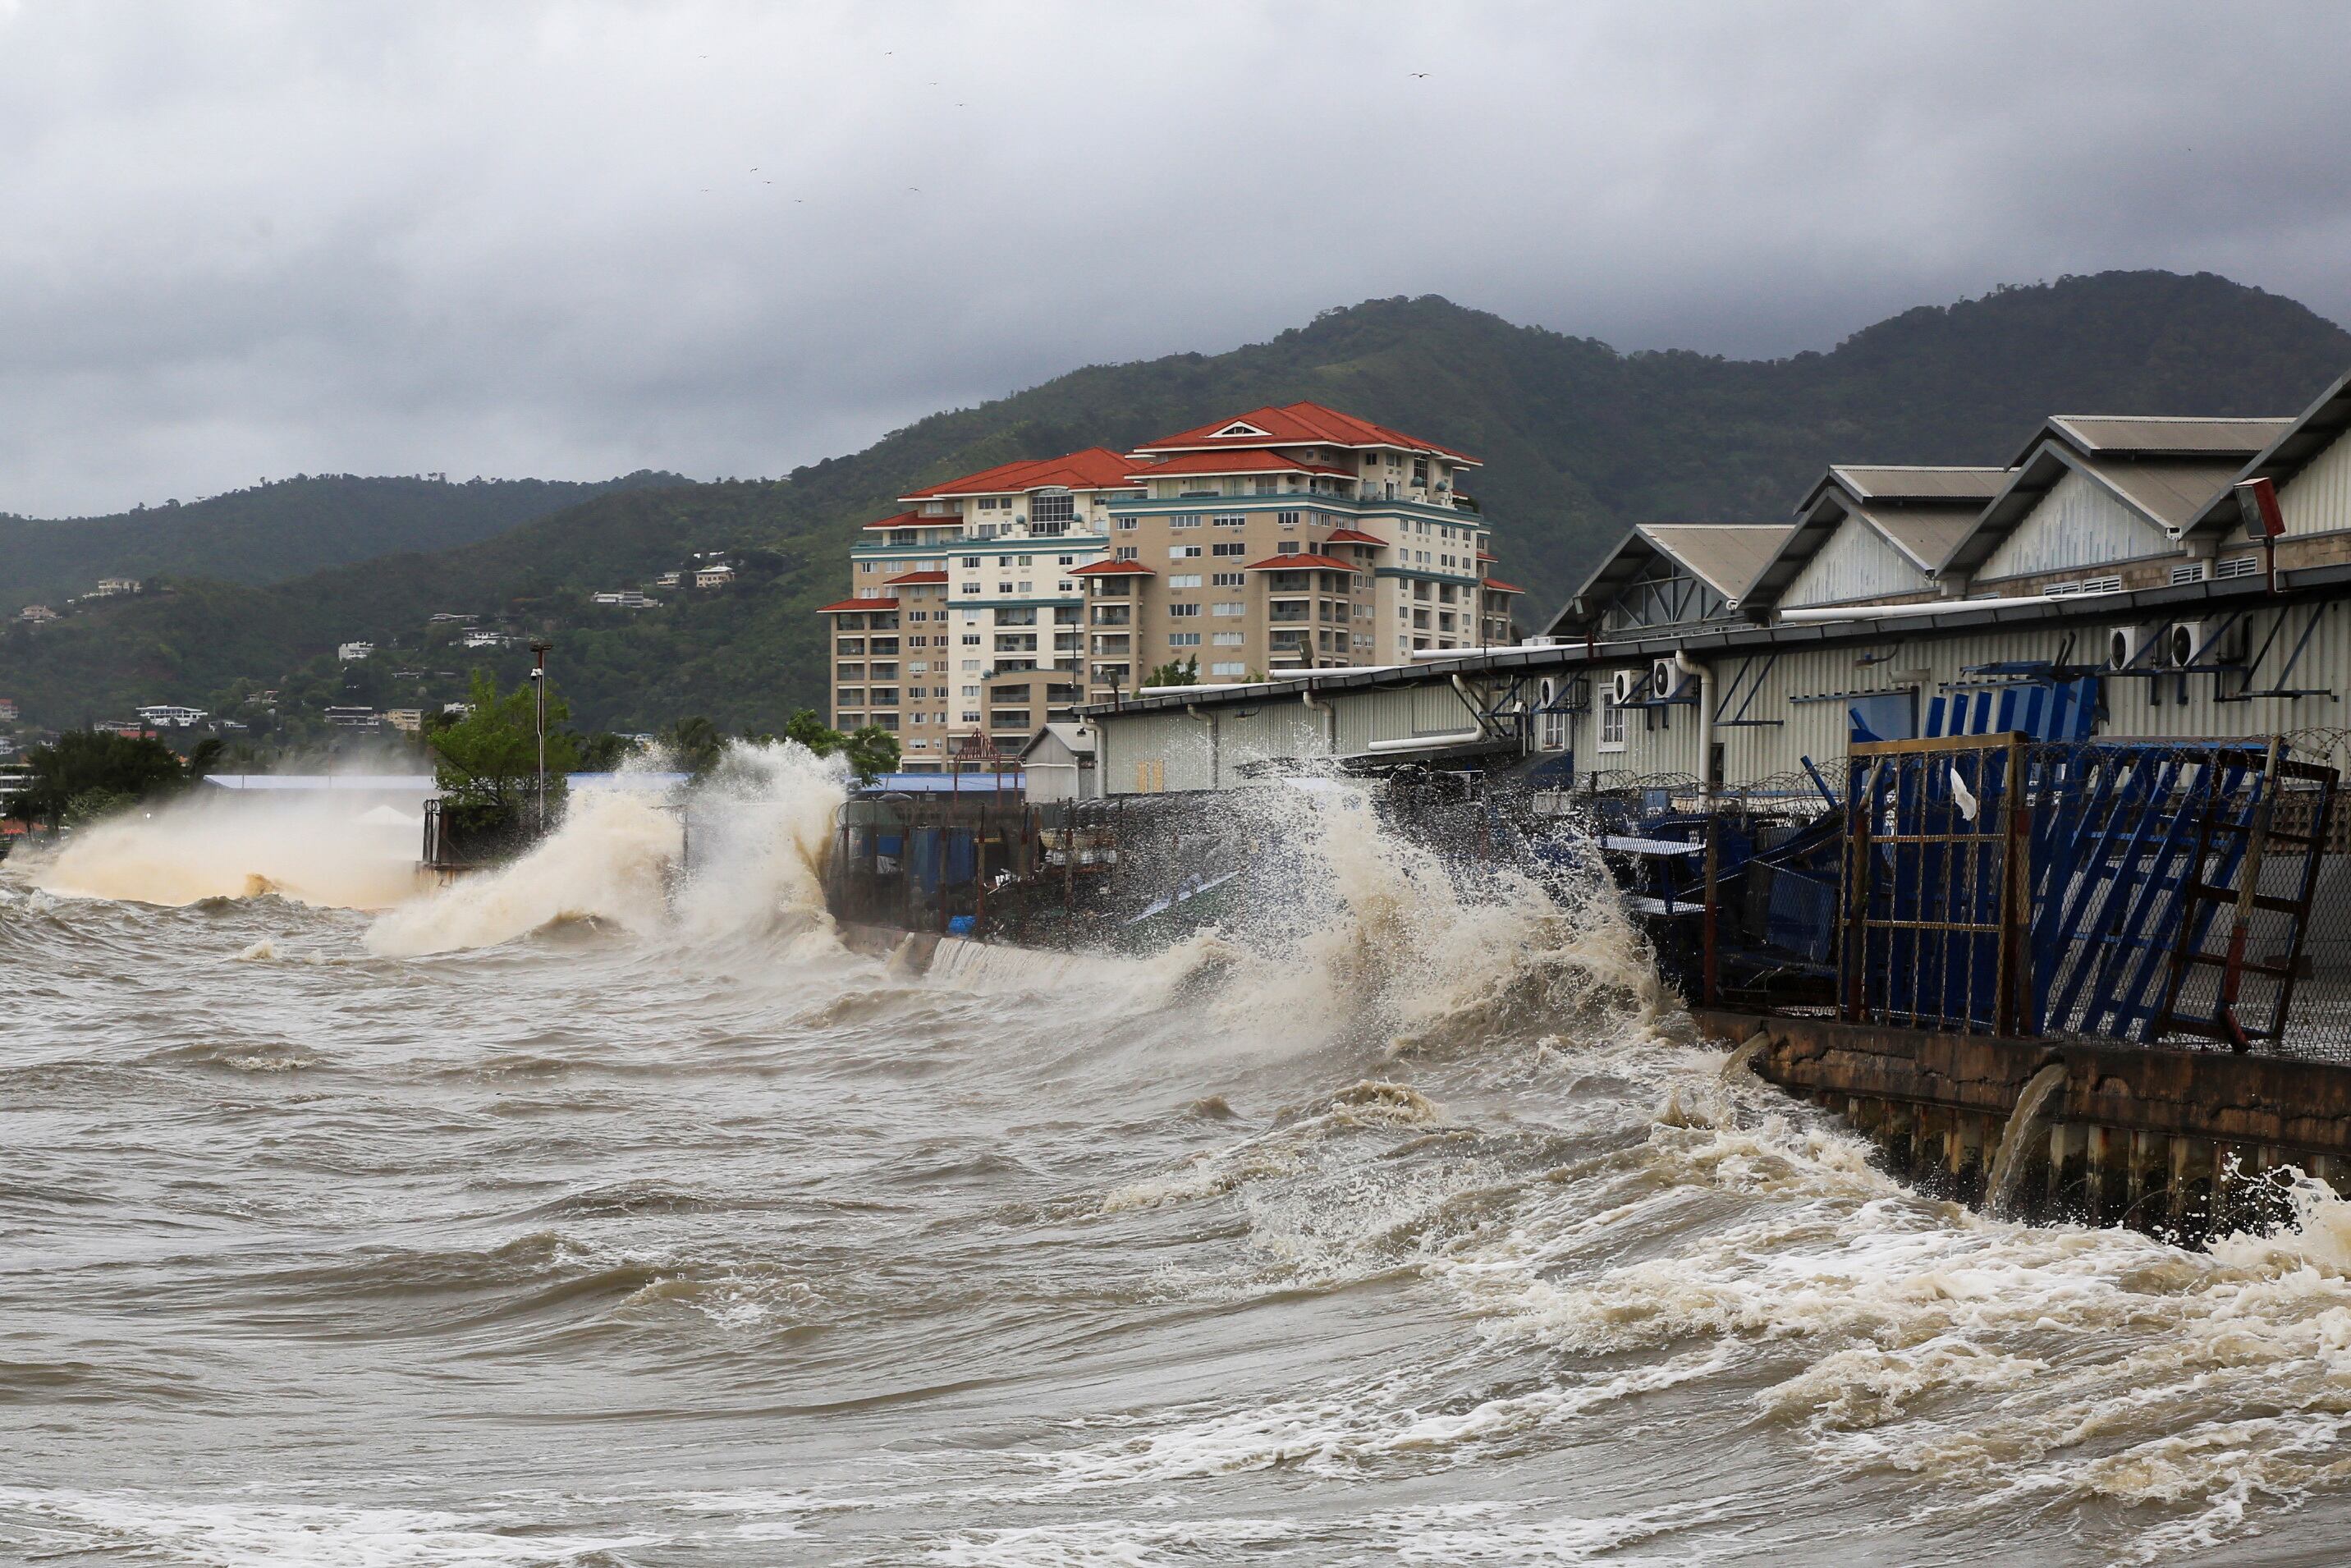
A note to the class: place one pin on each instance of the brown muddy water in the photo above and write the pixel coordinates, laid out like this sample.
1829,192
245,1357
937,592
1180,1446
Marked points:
554,1221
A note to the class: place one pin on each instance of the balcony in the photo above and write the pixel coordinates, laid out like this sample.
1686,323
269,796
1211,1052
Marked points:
1114,642
1113,615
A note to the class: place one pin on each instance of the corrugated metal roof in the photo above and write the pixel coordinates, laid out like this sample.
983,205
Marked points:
1927,534
1726,555
2312,431
1914,482
2171,493
2177,435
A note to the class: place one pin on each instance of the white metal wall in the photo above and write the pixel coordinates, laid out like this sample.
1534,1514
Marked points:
2078,524
2318,499
1856,563
1172,750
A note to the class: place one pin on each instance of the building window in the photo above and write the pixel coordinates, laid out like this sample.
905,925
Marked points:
1183,639
1182,611
1183,520
1225,580
1227,639
1287,519
1183,552
1228,669
1229,607
1125,552
1230,547
1053,512
1130,522
1231,522
1287,547
1184,579
1611,724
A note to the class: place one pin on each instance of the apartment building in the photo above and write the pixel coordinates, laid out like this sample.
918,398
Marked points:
963,632
1294,538
1289,539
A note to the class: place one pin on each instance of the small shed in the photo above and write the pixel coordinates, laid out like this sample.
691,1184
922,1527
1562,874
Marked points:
1059,763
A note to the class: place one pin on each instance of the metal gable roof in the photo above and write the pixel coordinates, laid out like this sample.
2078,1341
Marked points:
2158,435
1715,553
2169,492
1725,555
2312,432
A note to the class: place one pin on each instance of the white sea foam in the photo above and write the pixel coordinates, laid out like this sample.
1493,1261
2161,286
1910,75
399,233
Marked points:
241,1532
314,849
760,827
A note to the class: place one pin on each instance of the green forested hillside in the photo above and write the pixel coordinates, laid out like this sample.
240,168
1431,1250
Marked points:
272,532
1579,440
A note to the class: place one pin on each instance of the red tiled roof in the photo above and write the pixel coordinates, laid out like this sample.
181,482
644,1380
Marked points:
1114,568
916,520
1354,537
1498,586
1095,468
914,577
843,606
1244,461
1300,563
1293,424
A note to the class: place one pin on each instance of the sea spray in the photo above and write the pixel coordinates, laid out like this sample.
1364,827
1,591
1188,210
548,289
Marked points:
742,853
328,848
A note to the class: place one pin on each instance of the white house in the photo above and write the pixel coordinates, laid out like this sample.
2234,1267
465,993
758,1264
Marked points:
352,653
166,716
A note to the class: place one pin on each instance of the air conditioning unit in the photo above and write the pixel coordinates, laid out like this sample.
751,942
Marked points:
2190,644
2123,646
1622,685
2183,644
1665,678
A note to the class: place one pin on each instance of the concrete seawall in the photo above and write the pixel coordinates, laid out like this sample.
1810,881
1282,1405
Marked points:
2182,1144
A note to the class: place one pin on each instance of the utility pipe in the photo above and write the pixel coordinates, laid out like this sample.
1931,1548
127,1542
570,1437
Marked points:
1931,607
1697,672
1215,769
1330,720
1469,701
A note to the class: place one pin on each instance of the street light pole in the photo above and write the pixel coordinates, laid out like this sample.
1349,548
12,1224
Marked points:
538,705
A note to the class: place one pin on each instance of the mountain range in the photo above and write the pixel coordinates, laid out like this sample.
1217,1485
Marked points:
1579,440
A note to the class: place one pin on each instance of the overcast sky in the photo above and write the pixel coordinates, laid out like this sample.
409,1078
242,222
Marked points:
242,240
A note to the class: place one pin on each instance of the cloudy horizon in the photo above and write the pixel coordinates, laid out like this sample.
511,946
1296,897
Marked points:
570,241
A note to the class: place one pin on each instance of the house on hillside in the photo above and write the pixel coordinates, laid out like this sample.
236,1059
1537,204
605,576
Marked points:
168,716
7,710
626,599
486,640
409,720
115,586
36,613
352,653
717,576
354,718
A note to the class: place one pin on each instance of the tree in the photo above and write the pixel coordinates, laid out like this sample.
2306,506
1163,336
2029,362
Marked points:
603,751
695,743
486,763
87,772
1175,673
872,752
869,751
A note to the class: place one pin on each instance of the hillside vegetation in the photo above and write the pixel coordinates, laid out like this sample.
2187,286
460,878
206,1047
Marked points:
277,531
1579,442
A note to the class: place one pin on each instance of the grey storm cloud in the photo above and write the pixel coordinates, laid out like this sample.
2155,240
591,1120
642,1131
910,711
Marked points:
241,240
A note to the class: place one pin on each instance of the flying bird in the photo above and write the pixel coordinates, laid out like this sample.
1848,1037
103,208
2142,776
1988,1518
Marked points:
1420,76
